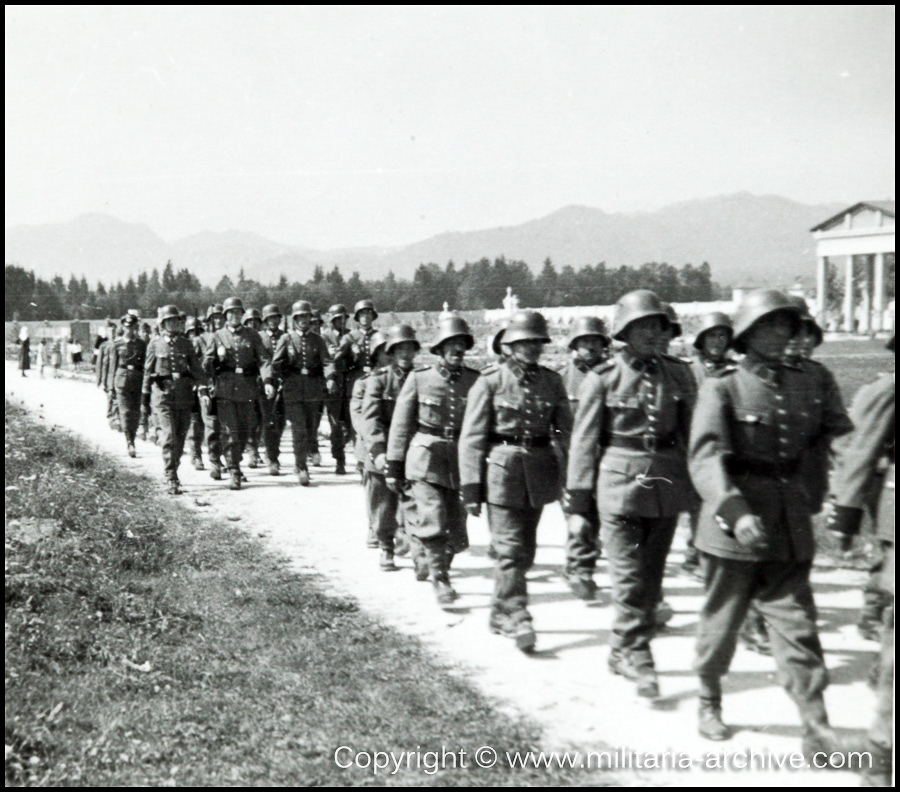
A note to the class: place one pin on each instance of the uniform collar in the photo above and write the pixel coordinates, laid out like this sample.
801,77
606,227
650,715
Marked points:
520,372
769,371
235,329
402,373
170,337
448,373
709,363
641,365
585,367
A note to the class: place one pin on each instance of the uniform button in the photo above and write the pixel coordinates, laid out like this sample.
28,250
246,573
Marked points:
782,412
783,439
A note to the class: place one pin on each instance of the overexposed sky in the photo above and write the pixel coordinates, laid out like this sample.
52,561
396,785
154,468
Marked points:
344,126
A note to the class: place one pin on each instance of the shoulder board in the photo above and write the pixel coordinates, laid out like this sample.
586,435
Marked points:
606,365
490,368
422,368
723,372
382,370
473,370
547,368
674,359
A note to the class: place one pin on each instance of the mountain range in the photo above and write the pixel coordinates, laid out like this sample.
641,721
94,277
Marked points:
747,240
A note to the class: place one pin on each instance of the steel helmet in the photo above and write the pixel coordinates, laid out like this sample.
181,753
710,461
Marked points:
376,341
807,318
316,317
673,319
192,323
232,304
526,326
588,326
252,313
214,310
755,306
452,327
714,321
398,334
168,312
361,306
270,310
636,305
129,319
496,343
301,307
338,309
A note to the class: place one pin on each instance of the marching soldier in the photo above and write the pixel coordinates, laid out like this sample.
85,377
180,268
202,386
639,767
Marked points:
711,346
253,320
672,331
215,320
424,434
126,367
315,458
629,453
864,481
380,360
234,360
356,346
303,363
193,329
751,430
172,371
381,393
589,345
103,378
515,410
273,416
338,403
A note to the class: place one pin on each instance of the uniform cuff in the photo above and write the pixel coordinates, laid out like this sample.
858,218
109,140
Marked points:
578,501
394,469
845,520
730,511
378,448
470,493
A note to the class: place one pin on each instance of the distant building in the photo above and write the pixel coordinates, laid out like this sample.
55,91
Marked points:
862,234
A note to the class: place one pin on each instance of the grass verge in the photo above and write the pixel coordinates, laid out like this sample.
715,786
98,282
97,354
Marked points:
148,646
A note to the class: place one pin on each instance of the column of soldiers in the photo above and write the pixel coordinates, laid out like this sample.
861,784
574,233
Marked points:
627,436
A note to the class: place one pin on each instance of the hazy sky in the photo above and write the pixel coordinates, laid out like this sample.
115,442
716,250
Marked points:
332,127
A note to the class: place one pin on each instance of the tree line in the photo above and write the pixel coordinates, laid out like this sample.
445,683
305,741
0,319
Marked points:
476,285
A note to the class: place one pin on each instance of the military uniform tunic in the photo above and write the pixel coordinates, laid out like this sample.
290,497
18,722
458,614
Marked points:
359,449
337,403
210,412
355,354
506,460
422,447
235,357
382,389
629,454
752,429
273,412
103,381
126,367
172,371
303,362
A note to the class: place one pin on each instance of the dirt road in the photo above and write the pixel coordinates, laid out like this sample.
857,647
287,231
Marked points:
565,686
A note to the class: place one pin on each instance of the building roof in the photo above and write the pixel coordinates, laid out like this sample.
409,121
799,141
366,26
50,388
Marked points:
884,206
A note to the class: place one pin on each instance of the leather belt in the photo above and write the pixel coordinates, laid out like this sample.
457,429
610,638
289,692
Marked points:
174,376
447,432
134,368
316,371
755,467
641,443
525,441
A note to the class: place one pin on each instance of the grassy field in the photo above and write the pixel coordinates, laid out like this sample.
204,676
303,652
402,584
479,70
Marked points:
148,646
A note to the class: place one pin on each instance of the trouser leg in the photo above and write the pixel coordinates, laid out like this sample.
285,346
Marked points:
298,413
195,433
273,421
130,412
173,423
213,433
514,537
583,547
338,410
636,549
315,418
233,418
384,510
254,426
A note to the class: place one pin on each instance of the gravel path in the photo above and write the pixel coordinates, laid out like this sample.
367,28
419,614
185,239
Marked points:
565,686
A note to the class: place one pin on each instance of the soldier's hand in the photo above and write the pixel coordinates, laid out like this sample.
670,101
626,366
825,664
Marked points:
577,524
380,463
748,531
473,509
331,387
394,485
204,400
270,390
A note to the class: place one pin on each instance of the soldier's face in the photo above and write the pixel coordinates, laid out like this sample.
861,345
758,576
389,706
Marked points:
453,352
272,322
234,316
404,354
254,324
339,323
770,335
805,340
715,342
645,336
145,333
301,322
130,331
528,352
589,349
218,321
173,325
365,317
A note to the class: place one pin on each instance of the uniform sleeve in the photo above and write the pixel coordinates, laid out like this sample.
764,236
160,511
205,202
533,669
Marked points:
264,359
356,402
404,422
473,440
112,364
280,358
327,360
372,428
344,354
710,447
195,364
688,403
149,367
101,354
836,422
873,414
562,415
584,449
209,357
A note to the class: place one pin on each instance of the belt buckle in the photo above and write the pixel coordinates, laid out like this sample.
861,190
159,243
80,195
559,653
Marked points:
130,368
176,376
651,443
238,370
526,441
367,369
448,432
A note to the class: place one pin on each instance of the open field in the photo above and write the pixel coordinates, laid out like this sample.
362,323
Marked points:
146,645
